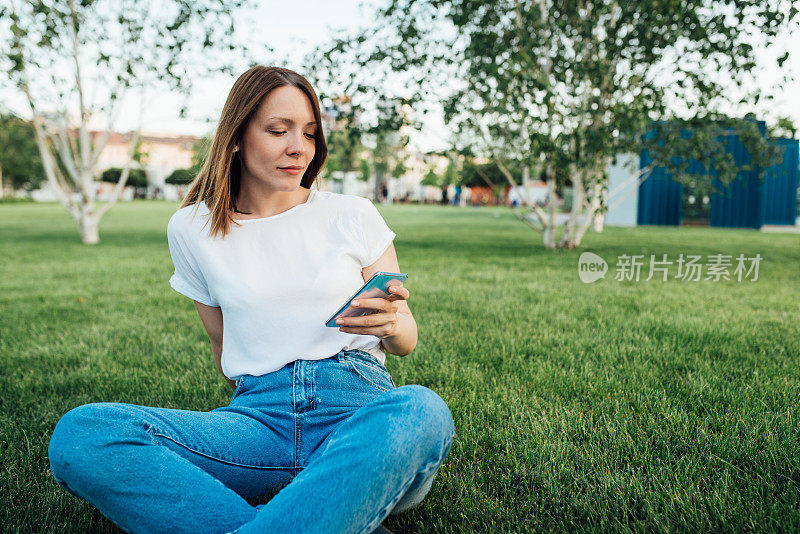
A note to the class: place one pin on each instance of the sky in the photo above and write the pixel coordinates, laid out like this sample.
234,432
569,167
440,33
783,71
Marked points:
292,29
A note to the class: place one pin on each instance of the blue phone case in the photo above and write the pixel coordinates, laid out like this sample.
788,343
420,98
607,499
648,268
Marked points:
377,286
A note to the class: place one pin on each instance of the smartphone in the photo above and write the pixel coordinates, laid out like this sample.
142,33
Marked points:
377,286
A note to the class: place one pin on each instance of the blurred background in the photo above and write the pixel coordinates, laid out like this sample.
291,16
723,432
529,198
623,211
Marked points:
644,112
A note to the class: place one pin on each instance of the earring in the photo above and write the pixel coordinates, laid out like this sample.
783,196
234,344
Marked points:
236,148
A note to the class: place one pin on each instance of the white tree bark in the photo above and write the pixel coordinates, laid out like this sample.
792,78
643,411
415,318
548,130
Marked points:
591,210
54,133
578,198
549,238
600,214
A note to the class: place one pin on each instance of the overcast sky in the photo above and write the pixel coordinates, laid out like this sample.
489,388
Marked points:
292,29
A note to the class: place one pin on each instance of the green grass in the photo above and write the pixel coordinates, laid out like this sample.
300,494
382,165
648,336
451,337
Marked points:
616,406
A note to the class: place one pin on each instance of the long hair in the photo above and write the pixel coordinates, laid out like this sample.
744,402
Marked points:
219,180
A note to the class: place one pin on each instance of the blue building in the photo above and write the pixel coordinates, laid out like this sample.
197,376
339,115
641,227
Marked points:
748,202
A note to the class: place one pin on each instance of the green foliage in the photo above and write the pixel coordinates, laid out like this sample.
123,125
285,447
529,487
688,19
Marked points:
180,177
477,175
368,126
696,152
136,177
365,170
567,86
783,127
451,176
344,149
200,150
20,161
431,178
16,200
399,169
117,52
568,194
123,44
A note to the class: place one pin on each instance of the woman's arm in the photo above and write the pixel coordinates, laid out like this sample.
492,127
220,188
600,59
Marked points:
404,338
211,316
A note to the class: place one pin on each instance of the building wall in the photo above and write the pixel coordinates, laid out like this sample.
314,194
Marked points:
623,190
164,153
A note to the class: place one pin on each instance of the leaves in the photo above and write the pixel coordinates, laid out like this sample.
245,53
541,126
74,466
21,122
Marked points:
63,54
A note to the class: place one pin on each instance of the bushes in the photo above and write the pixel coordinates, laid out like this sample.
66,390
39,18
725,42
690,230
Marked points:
181,177
136,177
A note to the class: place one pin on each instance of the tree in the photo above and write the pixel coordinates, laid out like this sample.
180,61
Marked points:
200,151
560,88
342,135
696,152
181,177
137,179
20,164
431,178
374,126
75,61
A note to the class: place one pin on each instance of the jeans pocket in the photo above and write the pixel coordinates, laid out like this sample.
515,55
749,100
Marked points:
369,369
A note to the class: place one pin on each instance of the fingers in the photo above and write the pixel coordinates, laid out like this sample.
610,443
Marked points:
399,291
365,323
382,303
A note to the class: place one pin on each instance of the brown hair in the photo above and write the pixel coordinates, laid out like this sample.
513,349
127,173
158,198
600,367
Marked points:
219,180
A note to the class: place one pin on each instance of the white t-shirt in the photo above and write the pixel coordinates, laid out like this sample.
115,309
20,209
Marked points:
278,279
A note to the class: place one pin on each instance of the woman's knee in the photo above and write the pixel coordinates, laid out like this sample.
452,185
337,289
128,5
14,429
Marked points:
429,417
81,436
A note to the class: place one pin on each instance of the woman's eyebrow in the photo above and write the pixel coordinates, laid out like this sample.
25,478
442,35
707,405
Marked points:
290,121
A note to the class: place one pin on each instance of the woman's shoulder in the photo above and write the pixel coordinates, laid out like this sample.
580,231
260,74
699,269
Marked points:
187,217
341,202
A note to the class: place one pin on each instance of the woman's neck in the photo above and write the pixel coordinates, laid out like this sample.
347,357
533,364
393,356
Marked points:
260,205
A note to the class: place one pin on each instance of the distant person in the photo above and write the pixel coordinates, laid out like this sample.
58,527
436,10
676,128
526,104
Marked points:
314,412
444,195
384,193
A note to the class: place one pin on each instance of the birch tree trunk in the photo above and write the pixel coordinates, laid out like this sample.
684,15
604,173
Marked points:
578,198
78,154
114,47
600,214
549,237
594,205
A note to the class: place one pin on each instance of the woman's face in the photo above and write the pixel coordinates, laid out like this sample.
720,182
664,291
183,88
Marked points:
281,134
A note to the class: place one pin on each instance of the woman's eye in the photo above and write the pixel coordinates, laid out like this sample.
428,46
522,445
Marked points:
276,133
311,136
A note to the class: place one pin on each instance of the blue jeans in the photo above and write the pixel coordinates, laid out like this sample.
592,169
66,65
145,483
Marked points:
341,446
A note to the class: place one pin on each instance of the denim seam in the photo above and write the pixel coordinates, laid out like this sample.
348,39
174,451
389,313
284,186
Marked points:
313,386
370,360
238,386
353,367
150,429
296,417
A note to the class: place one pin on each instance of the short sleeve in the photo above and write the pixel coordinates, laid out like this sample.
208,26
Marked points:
375,234
187,279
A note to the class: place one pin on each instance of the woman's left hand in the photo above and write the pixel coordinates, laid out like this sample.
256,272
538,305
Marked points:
383,323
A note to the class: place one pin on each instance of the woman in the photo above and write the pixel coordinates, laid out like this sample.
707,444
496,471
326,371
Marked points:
314,415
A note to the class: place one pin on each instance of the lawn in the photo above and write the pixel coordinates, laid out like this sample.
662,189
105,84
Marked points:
613,406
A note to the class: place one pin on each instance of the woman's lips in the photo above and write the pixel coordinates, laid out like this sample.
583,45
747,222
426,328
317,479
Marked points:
291,170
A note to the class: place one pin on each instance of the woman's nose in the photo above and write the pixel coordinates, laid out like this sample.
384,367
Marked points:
296,145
